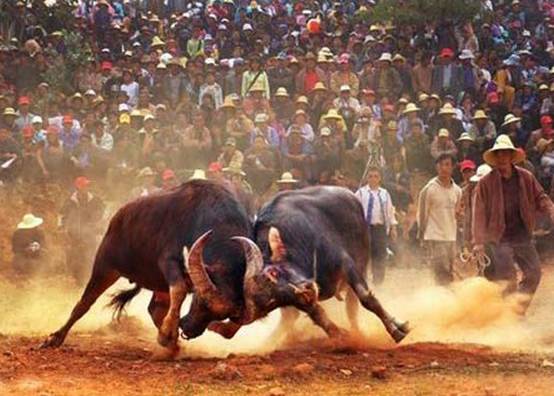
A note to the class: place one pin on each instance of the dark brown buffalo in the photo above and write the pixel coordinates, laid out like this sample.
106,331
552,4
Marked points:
144,243
309,244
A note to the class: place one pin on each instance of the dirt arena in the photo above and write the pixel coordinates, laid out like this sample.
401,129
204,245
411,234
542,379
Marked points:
465,341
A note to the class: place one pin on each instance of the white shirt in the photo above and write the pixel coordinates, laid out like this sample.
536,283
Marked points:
132,90
436,211
380,197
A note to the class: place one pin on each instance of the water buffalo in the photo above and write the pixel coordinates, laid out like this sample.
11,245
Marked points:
308,244
144,243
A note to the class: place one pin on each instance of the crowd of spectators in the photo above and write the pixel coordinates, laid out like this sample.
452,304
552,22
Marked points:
272,93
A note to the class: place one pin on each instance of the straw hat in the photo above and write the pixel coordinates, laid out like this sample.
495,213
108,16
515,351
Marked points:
9,111
228,103
260,118
443,132
29,221
422,97
447,109
344,88
480,115
319,86
234,169
503,142
465,137
157,42
302,99
299,112
332,114
287,178
385,57
198,174
482,171
281,92
510,119
411,108
146,172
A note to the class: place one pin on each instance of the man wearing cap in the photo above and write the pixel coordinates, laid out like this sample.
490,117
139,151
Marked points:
482,130
439,204
447,76
544,132
386,80
504,213
344,76
24,117
81,217
443,144
28,245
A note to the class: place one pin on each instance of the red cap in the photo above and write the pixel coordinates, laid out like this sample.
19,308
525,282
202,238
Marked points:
28,131
388,107
546,119
467,164
67,119
215,167
106,65
81,182
447,53
24,100
168,174
344,58
493,98
52,129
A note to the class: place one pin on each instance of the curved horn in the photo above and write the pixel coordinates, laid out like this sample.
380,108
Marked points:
254,265
196,268
254,258
314,277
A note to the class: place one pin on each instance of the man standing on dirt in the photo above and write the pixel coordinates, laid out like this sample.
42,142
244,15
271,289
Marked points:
81,216
437,212
506,201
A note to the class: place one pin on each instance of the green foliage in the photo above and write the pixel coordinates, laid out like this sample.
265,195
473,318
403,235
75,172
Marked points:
415,12
78,53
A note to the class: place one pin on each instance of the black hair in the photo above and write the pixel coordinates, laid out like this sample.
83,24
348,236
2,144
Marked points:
373,168
444,157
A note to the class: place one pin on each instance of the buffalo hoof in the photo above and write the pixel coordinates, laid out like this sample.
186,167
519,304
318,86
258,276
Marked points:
400,331
338,333
167,338
165,354
54,340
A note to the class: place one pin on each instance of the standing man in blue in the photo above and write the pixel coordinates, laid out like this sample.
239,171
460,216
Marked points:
380,219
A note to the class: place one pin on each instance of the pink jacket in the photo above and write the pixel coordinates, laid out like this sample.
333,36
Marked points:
488,205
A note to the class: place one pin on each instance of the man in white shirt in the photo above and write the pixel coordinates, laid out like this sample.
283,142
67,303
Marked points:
439,206
380,219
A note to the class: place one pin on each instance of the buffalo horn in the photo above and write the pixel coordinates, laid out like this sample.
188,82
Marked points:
254,266
196,268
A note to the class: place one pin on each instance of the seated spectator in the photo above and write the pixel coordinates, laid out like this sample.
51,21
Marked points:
482,130
28,243
443,144
230,154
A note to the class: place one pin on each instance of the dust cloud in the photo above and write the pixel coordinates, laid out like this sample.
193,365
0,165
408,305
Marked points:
471,311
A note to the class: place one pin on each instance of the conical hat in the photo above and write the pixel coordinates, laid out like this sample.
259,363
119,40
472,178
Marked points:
503,142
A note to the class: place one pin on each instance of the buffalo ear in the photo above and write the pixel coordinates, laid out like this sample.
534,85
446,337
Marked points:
276,245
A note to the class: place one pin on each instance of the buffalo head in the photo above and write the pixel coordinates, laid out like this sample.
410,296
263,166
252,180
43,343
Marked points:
277,282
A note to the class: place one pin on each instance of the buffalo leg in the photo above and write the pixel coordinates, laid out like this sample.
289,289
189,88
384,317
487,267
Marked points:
396,330
352,308
99,282
320,318
158,307
168,331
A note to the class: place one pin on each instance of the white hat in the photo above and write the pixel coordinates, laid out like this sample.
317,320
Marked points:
29,221
482,171
247,26
466,54
410,108
260,117
510,119
281,91
161,66
287,178
123,107
503,142
443,132
210,61
386,57
128,53
149,117
465,137
36,120
90,92
345,88
198,174
447,108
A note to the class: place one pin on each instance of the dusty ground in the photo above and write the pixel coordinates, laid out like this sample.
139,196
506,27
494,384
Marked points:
465,341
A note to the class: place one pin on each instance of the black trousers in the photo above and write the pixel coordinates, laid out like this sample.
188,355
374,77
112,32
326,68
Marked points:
378,246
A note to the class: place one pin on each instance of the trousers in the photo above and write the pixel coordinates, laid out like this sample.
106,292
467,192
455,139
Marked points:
378,246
